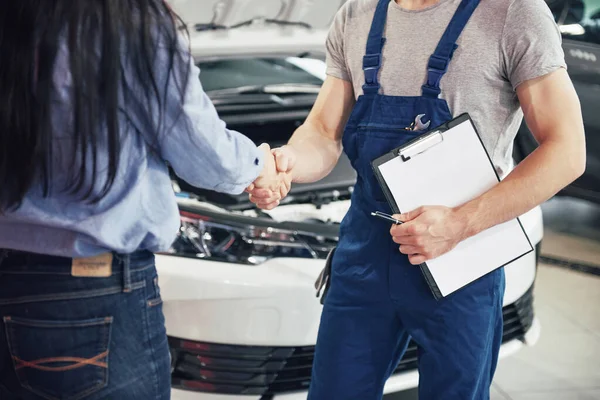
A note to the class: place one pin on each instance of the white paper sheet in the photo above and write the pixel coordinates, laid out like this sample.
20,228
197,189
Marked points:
450,174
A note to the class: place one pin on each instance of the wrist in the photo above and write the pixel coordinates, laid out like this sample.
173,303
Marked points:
293,157
261,162
466,219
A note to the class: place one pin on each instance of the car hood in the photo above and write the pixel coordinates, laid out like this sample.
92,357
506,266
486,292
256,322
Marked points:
338,185
221,27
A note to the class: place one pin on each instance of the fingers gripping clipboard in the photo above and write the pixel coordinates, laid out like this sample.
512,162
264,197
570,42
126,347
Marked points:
449,166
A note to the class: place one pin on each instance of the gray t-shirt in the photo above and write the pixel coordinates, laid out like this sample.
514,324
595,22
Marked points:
505,43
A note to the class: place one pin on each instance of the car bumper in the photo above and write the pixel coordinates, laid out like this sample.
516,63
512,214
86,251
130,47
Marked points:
250,372
273,305
396,383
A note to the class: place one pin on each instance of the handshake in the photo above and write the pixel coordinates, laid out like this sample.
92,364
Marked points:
275,181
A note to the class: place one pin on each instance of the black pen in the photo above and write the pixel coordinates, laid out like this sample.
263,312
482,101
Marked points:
387,217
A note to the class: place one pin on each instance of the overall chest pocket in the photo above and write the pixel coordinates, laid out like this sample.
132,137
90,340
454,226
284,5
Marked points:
66,360
372,143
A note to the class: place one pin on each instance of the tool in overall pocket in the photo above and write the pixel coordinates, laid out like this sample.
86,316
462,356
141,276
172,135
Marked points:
417,124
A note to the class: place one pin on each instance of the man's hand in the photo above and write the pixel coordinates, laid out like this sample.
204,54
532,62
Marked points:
267,198
285,158
428,232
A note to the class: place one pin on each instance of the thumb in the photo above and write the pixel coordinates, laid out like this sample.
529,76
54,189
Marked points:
281,160
409,216
265,146
285,158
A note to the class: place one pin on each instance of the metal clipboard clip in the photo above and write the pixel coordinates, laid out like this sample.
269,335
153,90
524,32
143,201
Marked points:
421,145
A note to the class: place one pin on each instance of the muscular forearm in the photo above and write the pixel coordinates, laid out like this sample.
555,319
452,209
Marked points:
539,177
316,153
553,113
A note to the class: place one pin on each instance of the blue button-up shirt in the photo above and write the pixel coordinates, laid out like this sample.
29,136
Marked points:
140,210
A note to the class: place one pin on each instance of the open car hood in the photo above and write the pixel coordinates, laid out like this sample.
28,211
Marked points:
236,27
339,184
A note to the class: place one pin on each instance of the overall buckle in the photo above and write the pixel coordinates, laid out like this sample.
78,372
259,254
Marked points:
371,66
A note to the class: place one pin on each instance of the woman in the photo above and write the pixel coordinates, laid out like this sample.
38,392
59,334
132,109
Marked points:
96,97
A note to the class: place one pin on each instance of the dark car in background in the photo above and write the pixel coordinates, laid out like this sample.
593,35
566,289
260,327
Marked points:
579,22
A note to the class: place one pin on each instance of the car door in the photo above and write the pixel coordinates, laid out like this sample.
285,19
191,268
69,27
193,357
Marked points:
579,23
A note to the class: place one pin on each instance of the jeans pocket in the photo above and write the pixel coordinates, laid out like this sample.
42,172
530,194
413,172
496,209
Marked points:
155,298
66,360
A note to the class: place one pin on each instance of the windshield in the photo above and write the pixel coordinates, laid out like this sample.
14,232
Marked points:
235,73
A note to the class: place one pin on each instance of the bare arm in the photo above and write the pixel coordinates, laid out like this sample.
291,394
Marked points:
317,144
315,148
553,114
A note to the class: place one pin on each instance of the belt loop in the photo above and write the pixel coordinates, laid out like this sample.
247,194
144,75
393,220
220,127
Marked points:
126,273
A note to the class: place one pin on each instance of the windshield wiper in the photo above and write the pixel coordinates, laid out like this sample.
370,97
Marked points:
278,89
258,21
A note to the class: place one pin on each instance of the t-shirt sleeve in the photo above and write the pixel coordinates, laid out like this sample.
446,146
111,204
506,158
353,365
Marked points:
531,42
336,59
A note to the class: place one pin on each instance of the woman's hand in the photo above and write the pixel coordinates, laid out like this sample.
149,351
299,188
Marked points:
268,198
268,179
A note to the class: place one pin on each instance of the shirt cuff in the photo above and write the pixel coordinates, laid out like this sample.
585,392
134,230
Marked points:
338,73
253,171
537,73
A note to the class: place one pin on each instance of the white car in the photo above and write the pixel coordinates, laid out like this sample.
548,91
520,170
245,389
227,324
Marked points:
238,285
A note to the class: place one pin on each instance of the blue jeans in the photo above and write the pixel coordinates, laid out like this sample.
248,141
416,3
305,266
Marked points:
69,338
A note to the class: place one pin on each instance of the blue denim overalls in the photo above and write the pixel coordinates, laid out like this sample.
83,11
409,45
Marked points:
377,301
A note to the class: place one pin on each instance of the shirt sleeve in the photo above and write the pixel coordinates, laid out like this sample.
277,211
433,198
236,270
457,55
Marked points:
531,42
336,60
200,148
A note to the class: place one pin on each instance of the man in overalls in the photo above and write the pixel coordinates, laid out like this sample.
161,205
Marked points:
495,59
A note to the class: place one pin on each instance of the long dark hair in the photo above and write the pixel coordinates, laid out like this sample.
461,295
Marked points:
103,38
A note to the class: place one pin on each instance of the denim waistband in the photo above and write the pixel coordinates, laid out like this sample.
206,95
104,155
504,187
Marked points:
37,277
12,261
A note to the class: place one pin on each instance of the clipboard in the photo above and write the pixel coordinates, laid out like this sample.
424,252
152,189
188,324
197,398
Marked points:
449,166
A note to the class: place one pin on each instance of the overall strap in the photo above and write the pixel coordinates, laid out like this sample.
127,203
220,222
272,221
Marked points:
372,60
439,61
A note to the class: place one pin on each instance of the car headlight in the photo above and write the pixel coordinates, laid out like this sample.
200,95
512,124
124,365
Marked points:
245,240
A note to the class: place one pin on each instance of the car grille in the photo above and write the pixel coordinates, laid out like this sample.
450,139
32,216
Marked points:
253,370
